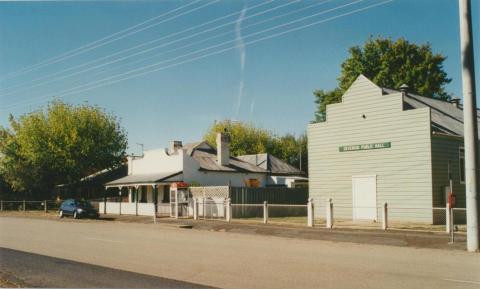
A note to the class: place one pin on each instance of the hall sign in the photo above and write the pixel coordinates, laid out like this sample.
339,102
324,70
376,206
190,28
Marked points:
362,147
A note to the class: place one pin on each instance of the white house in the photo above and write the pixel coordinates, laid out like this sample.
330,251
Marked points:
150,176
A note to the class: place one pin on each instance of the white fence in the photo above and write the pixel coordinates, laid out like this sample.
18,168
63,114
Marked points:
141,209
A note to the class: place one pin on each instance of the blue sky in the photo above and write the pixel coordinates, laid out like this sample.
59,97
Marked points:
182,99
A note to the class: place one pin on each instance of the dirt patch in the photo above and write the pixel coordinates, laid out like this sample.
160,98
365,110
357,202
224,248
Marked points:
9,281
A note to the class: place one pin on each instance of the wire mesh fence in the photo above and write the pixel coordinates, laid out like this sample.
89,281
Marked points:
247,212
287,214
434,219
211,209
46,206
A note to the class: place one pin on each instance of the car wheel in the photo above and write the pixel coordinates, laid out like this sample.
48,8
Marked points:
75,215
60,214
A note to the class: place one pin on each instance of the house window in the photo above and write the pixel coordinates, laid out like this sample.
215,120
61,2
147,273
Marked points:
144,195
461,163
166,194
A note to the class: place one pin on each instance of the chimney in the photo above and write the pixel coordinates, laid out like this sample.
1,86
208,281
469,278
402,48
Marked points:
404,89
223,149
455,101
130,164
175,145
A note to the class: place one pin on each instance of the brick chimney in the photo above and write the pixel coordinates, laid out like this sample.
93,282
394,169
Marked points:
223,149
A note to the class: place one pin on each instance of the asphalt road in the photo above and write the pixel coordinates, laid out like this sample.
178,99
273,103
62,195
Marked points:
33,270
230,260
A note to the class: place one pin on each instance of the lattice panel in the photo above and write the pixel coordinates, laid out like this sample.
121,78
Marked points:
210,192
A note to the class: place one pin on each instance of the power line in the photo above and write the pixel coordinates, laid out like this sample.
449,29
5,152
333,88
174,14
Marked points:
149,49
98,82
79,89
92,45
211,37
134,47
223,43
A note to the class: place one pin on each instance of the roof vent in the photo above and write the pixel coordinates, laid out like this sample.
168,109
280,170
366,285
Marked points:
404,89
455,101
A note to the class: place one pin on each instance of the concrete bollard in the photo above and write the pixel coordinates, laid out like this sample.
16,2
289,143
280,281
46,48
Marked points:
154,217
195,209
329,221
1,206
385,216
265,212
447,218
228,209
45,206
24,205
310,222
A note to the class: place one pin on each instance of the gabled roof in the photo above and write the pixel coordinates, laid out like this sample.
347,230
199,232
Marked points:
206,156
272,164
446,117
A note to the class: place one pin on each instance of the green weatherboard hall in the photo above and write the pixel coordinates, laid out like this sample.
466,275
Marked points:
383,145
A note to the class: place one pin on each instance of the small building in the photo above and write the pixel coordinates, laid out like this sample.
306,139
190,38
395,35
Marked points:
383,145
280,173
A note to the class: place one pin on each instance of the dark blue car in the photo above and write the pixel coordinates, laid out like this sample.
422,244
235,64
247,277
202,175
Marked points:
77,209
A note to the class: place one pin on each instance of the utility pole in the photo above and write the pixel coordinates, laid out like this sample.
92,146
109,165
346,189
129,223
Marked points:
470,125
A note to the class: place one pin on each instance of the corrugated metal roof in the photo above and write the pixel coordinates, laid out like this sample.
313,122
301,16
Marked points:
206,156
446,117
272,164
145,179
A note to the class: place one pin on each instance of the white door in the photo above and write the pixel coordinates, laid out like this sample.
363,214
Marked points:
364,197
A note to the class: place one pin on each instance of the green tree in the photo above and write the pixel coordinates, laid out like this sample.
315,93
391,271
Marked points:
60,144
248,139
389,64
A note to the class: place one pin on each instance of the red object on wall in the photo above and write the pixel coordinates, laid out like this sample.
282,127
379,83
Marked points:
179,185
452,199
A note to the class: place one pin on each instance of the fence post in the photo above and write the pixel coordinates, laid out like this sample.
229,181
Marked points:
203,205
195,209
45,206
265,212
1,205
329,222
24,205
228,209
385,216
310,222
447,218
154,215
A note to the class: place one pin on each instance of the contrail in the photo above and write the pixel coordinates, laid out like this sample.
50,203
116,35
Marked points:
241,47
252,108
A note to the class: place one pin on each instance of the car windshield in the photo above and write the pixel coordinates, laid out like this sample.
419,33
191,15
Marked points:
85,204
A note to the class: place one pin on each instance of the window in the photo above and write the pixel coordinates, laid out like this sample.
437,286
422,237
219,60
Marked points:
461,163
166,194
